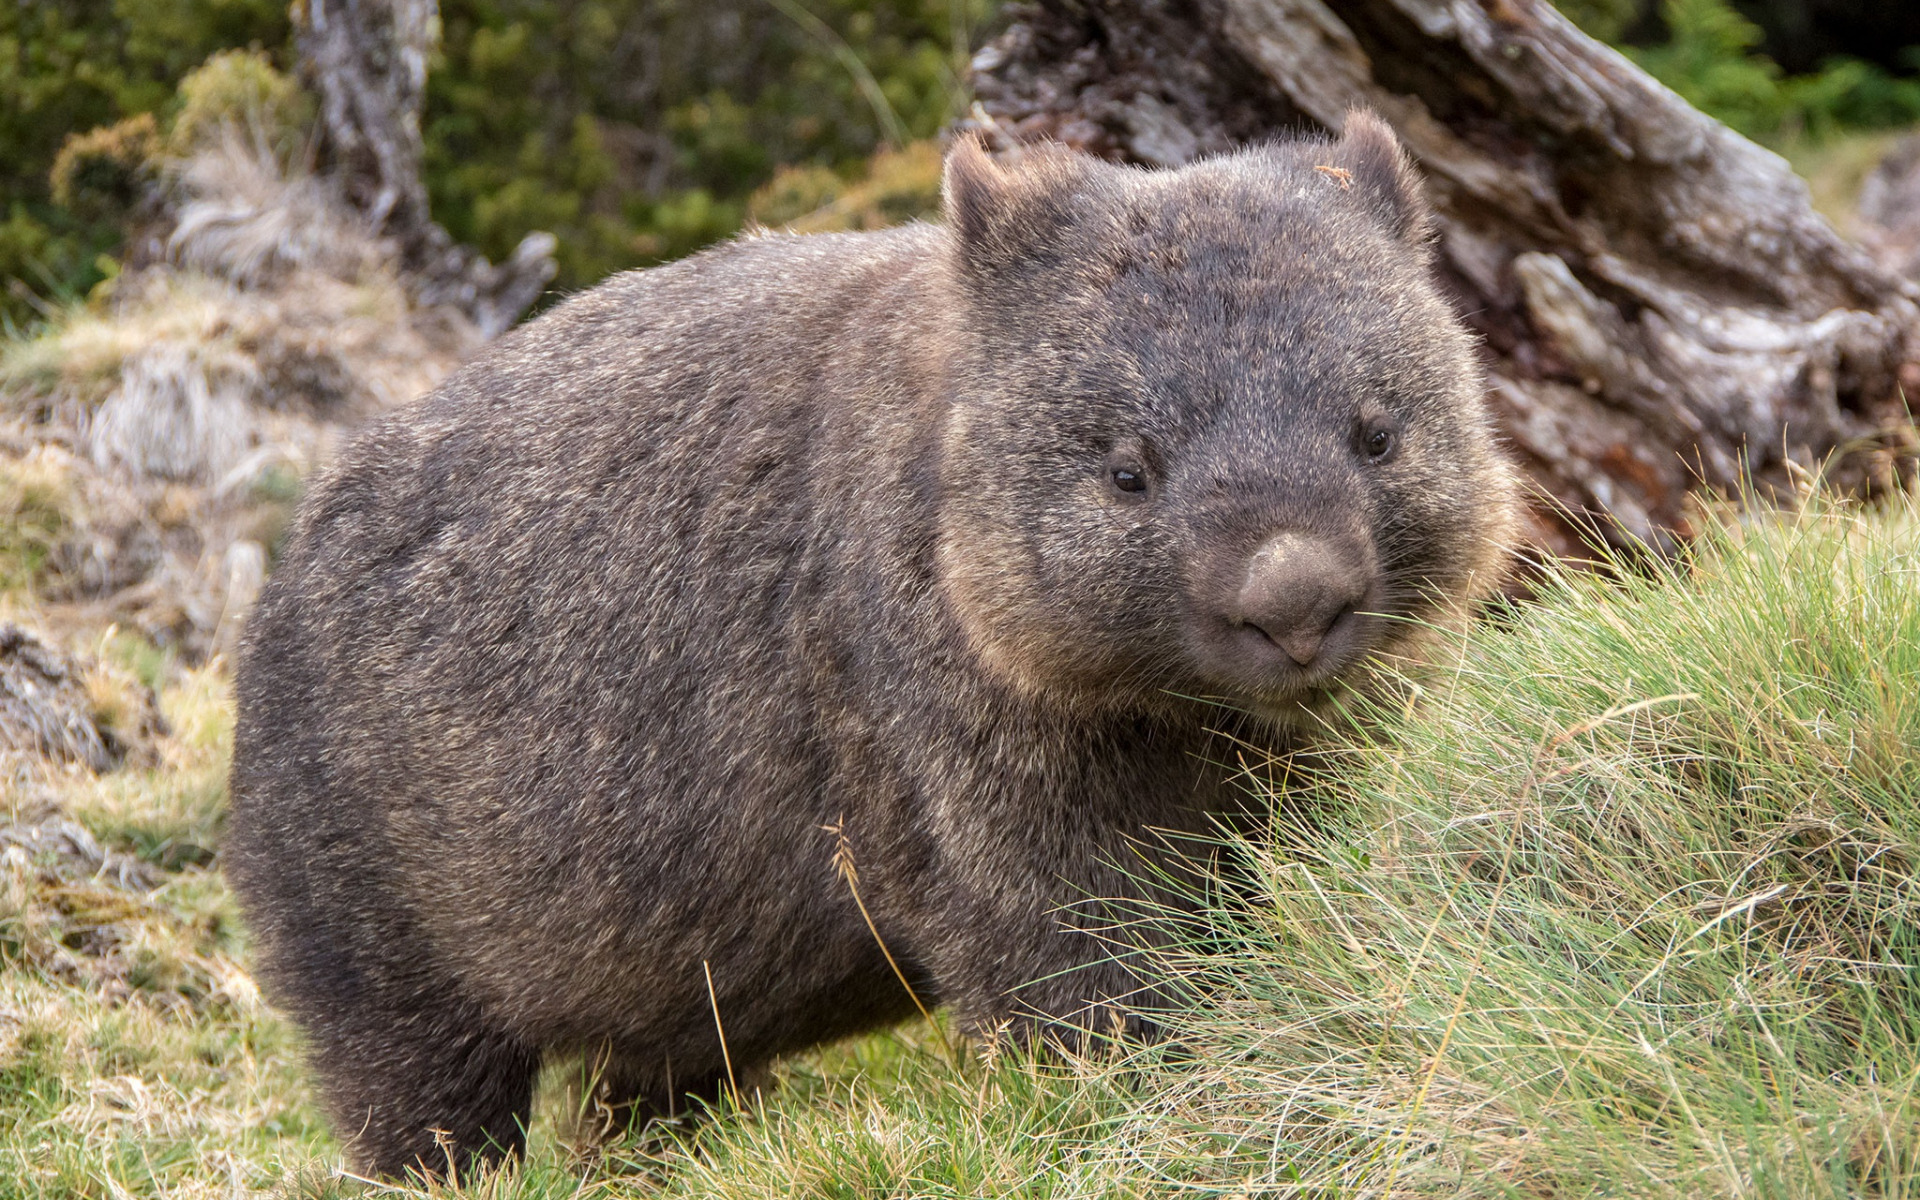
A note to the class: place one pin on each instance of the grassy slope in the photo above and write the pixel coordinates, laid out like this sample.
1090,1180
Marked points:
135,1058
1626,908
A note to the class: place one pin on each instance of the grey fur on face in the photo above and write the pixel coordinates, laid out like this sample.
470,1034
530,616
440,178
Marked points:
952,539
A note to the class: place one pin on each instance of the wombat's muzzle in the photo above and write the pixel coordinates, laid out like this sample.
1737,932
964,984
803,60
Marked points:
1297,593
1292,613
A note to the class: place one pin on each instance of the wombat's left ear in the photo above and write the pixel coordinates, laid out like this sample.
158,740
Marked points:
1385,176
1001,214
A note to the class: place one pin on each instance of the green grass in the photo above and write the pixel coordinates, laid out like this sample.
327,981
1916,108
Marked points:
1621,902
135,1057
1626,906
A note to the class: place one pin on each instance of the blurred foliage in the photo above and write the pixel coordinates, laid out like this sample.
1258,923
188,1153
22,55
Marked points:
1708,56
1607,20
637,130
896,186
640,130
103,174
241,91
71,66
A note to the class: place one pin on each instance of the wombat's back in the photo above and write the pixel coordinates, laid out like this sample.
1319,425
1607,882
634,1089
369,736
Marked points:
527,708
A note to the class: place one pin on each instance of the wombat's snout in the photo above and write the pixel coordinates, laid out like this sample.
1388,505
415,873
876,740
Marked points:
1299,599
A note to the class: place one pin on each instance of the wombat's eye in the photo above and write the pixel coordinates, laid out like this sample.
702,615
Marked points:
1126,468
1377,439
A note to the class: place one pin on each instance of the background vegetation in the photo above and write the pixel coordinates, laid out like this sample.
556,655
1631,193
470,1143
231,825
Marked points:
1710,53
70,66
635,130
639,130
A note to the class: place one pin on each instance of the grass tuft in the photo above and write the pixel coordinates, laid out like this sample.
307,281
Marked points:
1624,905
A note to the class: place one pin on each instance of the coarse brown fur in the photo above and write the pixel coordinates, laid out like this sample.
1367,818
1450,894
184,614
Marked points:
951,538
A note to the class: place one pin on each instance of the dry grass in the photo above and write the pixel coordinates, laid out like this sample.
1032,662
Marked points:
135,1057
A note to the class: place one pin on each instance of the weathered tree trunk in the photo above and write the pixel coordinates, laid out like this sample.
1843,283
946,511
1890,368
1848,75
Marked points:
1889,210
1660,305
368,60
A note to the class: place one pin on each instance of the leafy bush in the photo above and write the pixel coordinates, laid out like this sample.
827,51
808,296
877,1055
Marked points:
1709,58
103,175
70,66
240,90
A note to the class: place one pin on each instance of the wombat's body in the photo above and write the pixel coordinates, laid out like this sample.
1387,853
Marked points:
928,536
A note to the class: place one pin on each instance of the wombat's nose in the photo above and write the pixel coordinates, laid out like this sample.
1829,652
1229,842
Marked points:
1296,591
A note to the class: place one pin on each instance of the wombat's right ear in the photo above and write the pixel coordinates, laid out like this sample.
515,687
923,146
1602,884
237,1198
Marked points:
999,214
1385,176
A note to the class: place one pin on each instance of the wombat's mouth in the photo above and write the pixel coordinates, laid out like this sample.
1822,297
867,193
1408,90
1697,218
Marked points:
1290,615
1246,659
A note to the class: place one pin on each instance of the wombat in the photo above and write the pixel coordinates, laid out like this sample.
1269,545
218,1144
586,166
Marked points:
966,555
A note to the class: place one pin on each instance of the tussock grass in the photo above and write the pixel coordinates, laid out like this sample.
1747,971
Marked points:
1620,903
1624,905
36,502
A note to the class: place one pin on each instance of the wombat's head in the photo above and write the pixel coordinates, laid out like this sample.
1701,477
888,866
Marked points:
1215,432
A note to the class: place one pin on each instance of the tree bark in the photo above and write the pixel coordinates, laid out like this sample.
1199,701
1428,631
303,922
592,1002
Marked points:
1660,306
1889,208
368,61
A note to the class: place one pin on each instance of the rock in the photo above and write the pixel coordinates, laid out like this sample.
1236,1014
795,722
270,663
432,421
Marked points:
47,709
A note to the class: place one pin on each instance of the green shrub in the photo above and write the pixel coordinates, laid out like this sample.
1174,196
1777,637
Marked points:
240,91
1709,58
70,66
104,174
637,130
